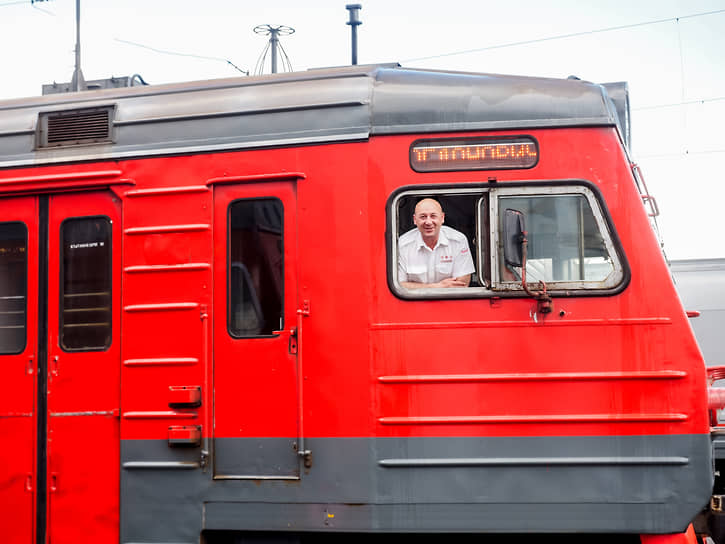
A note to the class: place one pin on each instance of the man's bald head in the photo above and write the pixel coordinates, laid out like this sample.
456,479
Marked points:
429,217
428,202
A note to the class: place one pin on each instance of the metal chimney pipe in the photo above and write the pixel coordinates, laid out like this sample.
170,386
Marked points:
354,22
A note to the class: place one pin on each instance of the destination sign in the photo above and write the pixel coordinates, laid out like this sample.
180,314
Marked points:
474,154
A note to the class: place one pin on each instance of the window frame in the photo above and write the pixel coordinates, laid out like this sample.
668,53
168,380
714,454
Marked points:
487,268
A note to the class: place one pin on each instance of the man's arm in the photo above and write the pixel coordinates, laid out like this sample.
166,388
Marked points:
463,266
463,281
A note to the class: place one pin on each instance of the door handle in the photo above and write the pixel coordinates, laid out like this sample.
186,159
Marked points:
302,452
54,365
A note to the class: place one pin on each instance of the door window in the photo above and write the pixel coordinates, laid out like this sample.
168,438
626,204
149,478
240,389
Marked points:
13,286
85,287
256,270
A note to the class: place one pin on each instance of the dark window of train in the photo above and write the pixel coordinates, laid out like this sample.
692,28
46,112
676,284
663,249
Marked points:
256,271
460,214
13,286
85,284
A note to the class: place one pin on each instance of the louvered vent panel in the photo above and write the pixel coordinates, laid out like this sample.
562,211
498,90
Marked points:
75,127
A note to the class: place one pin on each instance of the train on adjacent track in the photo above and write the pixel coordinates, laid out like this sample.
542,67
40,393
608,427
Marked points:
206,336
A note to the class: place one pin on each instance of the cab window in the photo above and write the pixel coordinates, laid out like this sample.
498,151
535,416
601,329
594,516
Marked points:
570,244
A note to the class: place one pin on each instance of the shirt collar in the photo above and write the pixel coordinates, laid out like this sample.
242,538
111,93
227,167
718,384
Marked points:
442,239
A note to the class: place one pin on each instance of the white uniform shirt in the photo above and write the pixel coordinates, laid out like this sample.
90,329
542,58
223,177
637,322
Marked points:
450,258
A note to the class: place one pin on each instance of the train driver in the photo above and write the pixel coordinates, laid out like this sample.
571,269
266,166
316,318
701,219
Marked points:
433,255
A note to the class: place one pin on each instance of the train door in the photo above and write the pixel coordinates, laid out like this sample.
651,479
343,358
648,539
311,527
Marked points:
83,367
18,357
255,299
59,354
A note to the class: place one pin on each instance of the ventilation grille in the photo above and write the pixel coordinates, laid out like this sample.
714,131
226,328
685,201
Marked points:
75,127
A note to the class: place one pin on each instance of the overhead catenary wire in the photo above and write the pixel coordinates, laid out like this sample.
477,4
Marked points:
179,54
678,104
686,153
37,7
31,2
565,36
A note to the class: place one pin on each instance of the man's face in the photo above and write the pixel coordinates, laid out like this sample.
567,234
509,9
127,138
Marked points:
428,218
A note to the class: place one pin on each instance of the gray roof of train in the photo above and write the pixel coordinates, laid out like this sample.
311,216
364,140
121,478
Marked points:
339,104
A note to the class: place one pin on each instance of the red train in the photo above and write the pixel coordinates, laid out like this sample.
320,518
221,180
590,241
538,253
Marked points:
216,327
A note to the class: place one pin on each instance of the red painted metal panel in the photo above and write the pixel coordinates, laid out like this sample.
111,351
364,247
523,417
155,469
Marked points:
83,483
255,380
167,286
83,398
18,424
17,478
633,332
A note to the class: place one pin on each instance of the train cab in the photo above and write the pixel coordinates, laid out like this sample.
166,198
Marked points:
227,318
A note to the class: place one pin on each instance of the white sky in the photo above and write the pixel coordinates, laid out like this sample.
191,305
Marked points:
671,52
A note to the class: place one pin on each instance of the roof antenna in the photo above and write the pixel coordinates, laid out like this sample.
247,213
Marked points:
274,32
354,22
77,82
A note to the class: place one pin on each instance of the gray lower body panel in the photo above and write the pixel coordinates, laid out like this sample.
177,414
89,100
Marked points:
718,445
629,484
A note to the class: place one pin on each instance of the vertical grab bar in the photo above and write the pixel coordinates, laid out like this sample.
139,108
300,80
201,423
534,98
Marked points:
305,454
207,380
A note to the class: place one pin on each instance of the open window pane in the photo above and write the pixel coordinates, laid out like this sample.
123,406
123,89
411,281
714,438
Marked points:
85,297
460,212
565,243
256,272
13,286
